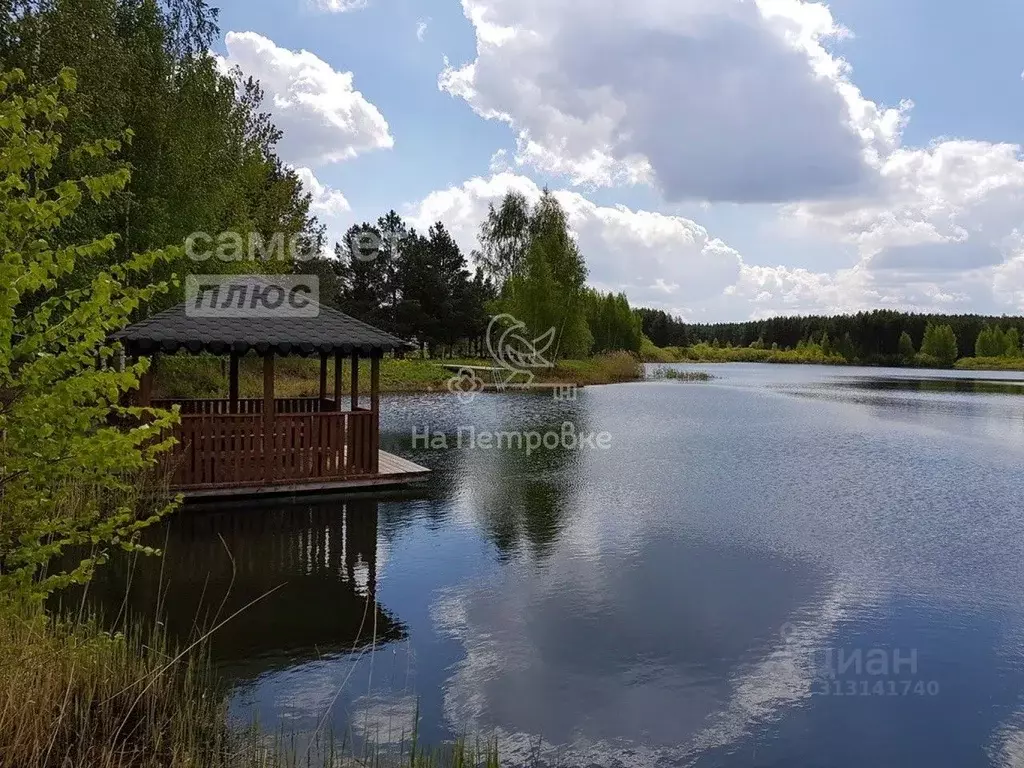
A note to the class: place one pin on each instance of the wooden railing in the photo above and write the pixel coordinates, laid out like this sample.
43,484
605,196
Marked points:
249,405
233,450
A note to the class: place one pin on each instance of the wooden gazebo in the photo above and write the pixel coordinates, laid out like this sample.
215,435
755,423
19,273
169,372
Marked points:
270,444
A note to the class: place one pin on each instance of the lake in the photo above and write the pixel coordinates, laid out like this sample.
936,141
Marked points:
784,566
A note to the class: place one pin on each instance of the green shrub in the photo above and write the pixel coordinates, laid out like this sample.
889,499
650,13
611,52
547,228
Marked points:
70,455
190,376
650,353
990,364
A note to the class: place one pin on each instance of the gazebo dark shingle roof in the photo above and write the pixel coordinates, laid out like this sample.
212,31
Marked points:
331,331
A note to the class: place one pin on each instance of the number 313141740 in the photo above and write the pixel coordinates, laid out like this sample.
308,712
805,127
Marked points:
876,687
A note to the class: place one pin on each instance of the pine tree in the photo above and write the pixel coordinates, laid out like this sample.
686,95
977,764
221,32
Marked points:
393,234
414,276
450,304
363,277
846,348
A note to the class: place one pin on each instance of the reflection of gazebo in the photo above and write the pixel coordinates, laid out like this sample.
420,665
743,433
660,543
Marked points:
285,583
237,445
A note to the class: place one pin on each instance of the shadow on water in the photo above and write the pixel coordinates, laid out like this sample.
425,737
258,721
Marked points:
932,385
281,582
532,504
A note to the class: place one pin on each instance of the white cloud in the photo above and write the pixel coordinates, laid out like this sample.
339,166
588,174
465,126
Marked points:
326,201
323,118
742,101
710,99
1009,283
658,260
939,194
330,207
421,29
941,231
338,6
673,263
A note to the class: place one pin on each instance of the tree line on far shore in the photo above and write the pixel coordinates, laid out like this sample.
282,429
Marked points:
419,285
881,337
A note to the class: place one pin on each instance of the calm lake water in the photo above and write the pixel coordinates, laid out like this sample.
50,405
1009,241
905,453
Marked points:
786,566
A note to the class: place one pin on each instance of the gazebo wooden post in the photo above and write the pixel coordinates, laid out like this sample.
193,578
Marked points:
268,416
355,380
375,409
322,405
339,372
354,432
233,383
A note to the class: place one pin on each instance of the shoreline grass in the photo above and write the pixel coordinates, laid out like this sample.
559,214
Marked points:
705,353
75,694
990,364
672,374
812,355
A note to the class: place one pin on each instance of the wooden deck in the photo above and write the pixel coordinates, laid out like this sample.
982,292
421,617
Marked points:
393,471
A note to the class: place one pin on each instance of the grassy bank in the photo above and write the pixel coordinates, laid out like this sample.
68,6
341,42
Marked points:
990,364
705,353
72,694
811,354
75,695
184,376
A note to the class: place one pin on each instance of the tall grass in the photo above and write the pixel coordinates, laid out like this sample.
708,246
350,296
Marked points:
677,375
610,368
73,694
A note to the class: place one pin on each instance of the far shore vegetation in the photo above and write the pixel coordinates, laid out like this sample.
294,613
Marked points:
880,338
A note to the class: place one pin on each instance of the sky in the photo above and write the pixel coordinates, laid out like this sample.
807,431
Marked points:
722,160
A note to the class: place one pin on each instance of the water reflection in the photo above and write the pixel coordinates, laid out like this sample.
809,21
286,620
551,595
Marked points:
628,606
531,505
928,384
641,669
281,582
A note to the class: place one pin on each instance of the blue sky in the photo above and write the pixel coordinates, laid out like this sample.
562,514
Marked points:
720,159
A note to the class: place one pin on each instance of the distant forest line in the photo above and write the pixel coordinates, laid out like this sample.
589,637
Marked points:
878,337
